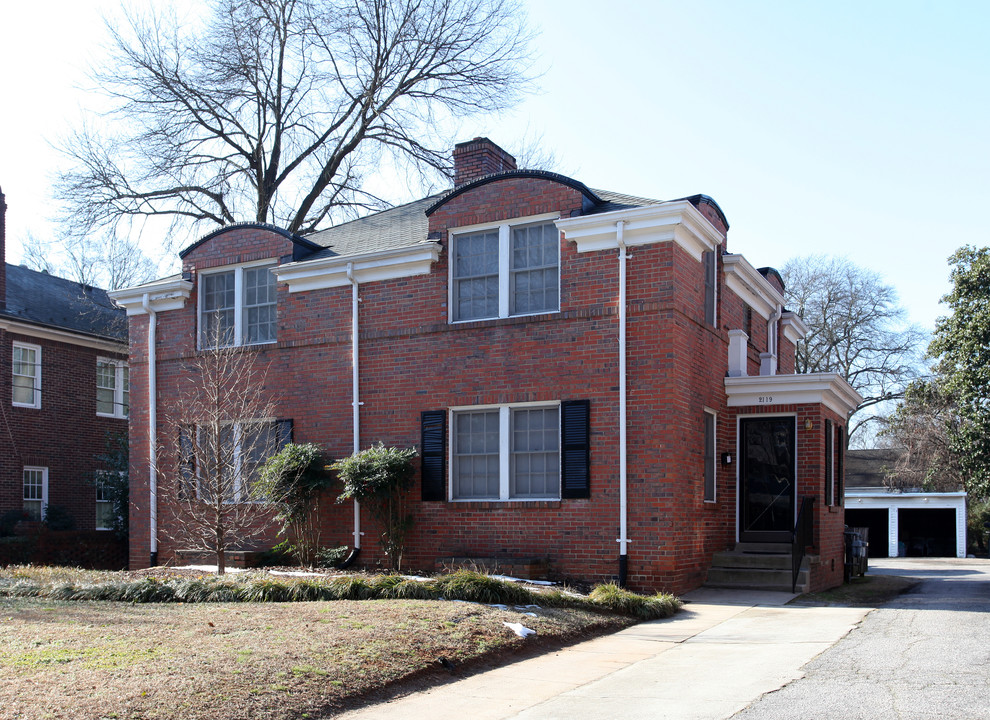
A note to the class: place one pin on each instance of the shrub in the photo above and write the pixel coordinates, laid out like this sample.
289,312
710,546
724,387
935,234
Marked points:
378,478
58,518
292,481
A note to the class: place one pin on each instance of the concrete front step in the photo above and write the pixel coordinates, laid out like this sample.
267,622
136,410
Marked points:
736,559
756,579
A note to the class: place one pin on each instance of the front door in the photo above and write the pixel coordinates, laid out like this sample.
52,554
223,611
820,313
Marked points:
766,479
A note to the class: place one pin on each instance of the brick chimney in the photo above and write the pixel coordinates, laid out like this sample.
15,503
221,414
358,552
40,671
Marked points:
3,251
479,157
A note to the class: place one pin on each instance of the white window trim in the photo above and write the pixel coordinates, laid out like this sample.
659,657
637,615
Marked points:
118,387
238,271
504,264
36,405
714,448
504,450
44,488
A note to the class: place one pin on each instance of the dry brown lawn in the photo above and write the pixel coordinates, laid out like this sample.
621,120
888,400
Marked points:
76,660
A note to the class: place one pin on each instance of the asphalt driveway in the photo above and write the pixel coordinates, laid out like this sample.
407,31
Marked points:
924,655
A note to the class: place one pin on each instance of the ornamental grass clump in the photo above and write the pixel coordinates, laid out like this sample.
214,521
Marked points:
645,607
478,587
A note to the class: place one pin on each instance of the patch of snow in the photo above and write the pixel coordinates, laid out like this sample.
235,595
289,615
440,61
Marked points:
295,573
509,578
519,629
208,568
499,606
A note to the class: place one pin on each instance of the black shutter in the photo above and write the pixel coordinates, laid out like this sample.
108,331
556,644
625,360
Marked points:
840,477
283,433
575,449
829,456
433,450
708,260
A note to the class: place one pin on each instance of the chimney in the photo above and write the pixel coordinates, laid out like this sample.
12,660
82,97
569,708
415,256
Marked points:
479,157
3,251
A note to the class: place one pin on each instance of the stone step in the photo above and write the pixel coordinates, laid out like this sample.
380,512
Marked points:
756,579
764,547
736,559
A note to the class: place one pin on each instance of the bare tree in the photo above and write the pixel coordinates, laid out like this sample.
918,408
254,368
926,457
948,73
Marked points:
223,429
922,429
273,110
856,328
110,262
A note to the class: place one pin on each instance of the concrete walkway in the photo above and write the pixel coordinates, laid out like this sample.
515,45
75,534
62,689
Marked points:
720,653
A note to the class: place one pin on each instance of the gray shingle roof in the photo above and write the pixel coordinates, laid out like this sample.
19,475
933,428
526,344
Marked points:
43,299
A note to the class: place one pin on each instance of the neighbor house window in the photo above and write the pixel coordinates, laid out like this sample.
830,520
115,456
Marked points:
230,463
506,453
237,307
829,463
709,453
35,485
504,271
113,388
26,363
104,508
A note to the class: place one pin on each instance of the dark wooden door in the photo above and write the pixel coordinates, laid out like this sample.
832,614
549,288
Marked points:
767,479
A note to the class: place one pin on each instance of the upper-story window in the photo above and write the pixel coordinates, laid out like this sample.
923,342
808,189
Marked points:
710,263
113,388
26,364
506,270
237,306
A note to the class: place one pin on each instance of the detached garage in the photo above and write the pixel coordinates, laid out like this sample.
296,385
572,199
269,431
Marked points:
905,523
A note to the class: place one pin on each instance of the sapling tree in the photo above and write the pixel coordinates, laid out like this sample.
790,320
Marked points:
378,479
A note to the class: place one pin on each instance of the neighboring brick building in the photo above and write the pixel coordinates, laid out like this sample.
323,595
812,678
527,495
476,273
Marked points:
576,406
63,360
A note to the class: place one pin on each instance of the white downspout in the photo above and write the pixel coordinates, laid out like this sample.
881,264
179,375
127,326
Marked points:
623,537
355,376
152,430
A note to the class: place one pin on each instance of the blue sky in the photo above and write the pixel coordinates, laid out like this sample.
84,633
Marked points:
852,129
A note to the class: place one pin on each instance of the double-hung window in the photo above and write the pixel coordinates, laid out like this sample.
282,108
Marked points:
104,508
511,269
26,381
113,388
227,460
35,492
506,453
237,306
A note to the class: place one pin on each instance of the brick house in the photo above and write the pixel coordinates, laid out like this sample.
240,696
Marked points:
597,387
63,359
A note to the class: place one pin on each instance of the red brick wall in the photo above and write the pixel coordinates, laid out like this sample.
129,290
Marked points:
64,435
412,359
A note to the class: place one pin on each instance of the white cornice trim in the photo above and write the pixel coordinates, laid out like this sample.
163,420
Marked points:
679,221
794,327
162,295
754,289
829,389
63,336
331,272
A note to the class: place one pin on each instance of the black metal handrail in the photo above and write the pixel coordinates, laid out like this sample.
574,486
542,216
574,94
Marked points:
802,537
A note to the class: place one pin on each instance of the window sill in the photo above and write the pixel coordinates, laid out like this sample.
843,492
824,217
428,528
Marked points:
27,407
481,322
512,504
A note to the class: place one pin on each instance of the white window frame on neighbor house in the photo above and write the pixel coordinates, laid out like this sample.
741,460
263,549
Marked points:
34,471
506,452
710,416
506,273
103,507
240,305
120,388
35,378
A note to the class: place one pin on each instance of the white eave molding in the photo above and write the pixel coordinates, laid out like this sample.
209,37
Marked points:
162,295
331,272
678,221
793,326
64,336
828,389
755,290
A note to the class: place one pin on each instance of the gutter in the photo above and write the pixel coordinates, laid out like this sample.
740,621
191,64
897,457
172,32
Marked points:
356,404
152,431
623,539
